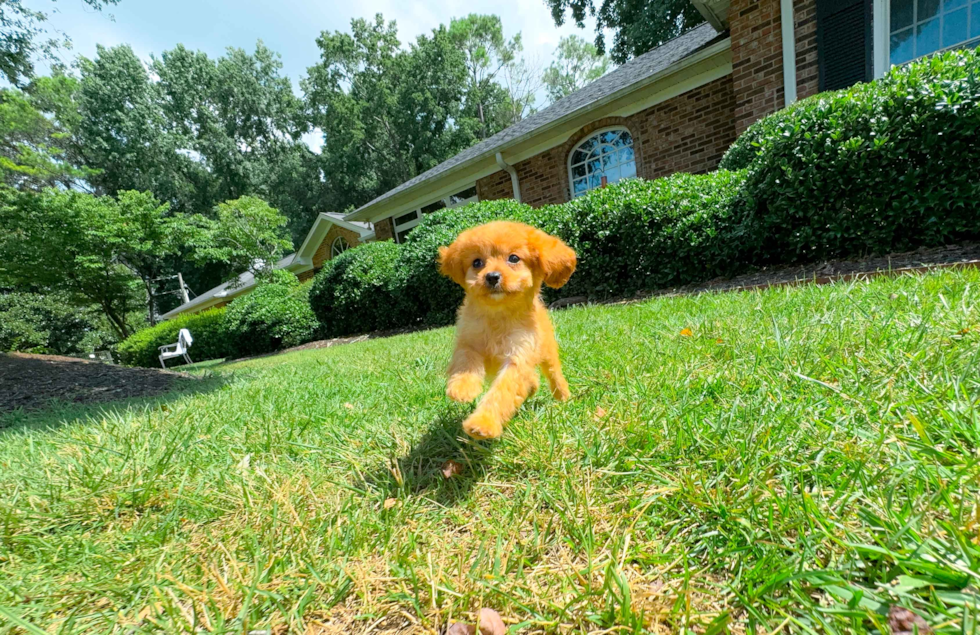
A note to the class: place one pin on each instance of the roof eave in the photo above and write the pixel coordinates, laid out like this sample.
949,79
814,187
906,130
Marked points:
714,11
368,213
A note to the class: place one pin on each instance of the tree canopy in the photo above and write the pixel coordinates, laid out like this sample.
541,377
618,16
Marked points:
387,113
577,63
119,172
22,38
637,25
96,249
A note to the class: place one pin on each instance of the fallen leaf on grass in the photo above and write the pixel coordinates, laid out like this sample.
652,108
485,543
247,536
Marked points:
451,468
687,333
599,413
390,502
490,624
904,622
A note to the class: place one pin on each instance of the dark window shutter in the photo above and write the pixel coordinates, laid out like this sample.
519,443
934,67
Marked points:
844,42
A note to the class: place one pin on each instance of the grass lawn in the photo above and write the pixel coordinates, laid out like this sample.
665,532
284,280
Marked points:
797,461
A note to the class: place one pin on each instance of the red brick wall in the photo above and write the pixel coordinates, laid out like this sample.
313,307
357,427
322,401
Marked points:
494,187
757,56
807,70
688,133
757,67
384,229
323,251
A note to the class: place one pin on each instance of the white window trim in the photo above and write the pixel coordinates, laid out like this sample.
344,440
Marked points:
398,229
881,20
594,133
880,24
333,246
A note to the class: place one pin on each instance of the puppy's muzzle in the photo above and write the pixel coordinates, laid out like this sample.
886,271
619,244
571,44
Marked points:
492,279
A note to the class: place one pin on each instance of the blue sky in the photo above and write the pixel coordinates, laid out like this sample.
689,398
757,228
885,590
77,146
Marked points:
289,27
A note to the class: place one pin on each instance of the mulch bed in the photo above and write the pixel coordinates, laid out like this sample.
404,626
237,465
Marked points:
33,381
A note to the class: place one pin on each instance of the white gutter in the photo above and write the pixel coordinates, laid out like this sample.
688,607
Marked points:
789,51
514,182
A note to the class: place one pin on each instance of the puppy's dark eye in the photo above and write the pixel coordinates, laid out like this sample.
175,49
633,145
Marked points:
477,264
514,259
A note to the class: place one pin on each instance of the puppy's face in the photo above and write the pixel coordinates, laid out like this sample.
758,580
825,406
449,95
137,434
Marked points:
505,261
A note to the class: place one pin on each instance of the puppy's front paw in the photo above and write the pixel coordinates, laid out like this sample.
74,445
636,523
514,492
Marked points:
464,388
481,426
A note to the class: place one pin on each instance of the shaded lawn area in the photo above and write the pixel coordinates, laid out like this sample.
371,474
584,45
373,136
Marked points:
29,382
803,460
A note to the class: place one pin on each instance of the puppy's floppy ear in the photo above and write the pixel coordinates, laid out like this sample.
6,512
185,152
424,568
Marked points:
555,258
450,264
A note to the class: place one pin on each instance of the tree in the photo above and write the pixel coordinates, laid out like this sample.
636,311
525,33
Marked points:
36,150
94,248
238,116
21,30
521,81
577,63
35,323
488,54
247,234
387,113
123,135
638,25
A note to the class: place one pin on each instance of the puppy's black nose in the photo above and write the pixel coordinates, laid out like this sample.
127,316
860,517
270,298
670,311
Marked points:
492,278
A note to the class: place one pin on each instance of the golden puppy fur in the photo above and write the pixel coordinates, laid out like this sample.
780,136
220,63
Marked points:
503,330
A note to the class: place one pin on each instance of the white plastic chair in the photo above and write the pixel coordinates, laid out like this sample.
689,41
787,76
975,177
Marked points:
169,351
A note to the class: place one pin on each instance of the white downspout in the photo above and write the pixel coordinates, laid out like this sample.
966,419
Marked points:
509,169
789,51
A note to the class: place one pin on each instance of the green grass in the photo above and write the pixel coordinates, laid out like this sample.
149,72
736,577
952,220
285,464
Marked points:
806,459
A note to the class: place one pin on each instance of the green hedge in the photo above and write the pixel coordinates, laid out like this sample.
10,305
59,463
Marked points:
882,167
630,236
361,290
274,316
640,235
207,328
46,324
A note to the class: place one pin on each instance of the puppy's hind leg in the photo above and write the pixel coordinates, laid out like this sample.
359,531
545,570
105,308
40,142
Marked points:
551,366
509,390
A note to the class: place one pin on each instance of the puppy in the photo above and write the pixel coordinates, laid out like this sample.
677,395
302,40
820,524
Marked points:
503,330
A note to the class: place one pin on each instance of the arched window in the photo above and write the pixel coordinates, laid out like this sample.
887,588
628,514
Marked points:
338,246
607,154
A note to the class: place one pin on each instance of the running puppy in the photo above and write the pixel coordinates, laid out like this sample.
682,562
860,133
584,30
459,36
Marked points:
503,330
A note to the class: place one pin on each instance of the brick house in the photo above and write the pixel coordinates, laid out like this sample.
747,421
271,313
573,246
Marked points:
676,108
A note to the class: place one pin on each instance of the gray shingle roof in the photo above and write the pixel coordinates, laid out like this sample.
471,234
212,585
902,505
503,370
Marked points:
633,72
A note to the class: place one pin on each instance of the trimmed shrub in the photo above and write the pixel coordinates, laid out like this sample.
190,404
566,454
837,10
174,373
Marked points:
638,235
881,167
434,297
361,290
207,328
34,323
275,315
